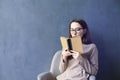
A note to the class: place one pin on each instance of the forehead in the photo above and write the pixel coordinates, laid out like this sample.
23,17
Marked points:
75,25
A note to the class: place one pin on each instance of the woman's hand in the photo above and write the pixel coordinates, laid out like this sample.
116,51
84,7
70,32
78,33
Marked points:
75,54
65,54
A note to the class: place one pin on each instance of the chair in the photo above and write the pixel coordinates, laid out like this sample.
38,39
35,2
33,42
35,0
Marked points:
54,69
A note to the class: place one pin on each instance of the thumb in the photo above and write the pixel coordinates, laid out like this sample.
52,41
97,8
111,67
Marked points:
75,56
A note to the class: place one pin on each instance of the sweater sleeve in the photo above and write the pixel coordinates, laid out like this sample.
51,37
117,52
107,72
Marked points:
62,65
91,64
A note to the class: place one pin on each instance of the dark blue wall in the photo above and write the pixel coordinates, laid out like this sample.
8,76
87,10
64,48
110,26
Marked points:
30,31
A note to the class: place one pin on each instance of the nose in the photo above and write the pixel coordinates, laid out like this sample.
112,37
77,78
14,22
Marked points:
75,32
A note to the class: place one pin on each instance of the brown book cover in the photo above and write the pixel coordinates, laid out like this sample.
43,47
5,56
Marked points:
74,43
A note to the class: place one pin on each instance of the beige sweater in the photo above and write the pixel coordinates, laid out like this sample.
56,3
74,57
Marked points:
81,68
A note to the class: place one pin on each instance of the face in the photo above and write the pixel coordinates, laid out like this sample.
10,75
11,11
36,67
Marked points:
76,29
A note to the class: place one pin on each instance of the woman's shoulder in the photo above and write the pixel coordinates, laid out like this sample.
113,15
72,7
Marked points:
89,47
92,45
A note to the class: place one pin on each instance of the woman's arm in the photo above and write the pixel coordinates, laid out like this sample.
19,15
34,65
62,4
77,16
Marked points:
63,64
91,64
64,60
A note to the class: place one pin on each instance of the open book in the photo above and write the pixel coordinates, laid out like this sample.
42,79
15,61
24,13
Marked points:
73,43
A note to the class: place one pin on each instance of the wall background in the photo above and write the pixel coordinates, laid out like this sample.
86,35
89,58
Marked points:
30,31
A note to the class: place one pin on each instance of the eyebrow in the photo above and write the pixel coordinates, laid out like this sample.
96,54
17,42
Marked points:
77,28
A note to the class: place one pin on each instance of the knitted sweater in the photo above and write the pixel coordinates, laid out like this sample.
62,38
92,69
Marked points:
81,68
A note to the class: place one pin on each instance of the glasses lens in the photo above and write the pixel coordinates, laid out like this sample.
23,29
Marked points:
77,29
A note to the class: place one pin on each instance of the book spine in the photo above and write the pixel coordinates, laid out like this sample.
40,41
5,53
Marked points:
69,44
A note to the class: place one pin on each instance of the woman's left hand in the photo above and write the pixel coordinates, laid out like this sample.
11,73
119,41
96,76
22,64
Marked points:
75,54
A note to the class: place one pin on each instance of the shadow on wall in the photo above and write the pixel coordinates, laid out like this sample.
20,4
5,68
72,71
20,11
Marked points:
106,64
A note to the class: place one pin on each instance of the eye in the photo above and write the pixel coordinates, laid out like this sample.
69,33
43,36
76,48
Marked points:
72,29
78,29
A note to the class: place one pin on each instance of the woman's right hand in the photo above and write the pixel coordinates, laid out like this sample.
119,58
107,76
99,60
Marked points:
65,54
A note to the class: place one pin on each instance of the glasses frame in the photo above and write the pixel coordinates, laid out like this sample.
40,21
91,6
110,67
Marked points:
76,30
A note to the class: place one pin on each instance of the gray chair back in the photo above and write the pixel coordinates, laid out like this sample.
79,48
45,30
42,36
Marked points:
54,69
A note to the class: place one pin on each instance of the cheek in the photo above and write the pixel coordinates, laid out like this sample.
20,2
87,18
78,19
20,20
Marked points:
76,34
80,33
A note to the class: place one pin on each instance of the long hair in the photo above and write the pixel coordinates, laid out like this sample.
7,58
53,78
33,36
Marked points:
86,37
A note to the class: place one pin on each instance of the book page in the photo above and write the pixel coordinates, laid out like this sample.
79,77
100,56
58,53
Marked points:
64,43
77,44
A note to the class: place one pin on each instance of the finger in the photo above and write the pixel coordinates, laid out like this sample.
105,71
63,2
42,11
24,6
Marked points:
66,49
75,56
73,51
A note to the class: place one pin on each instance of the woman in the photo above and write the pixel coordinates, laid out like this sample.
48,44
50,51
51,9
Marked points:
75,65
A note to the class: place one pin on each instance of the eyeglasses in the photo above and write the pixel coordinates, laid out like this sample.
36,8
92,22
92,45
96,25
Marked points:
76,30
